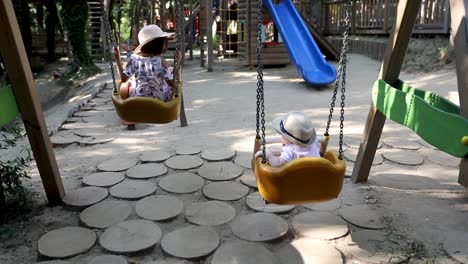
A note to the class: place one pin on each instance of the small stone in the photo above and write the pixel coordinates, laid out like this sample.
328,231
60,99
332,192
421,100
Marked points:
100,140
73,120
159,207
105,214
218,154
255,202
443,159
190,242
184,182
103,179
84,197
211,213
402,143
244,161
148,170
66,242
220,171
363,216
225,191
188,150
319,225
64,140
133,189
108,259
372,246
130,236
325,206
260,227
243,253
351,155
155,156
117,165
184,162
405,157
248,178
309,251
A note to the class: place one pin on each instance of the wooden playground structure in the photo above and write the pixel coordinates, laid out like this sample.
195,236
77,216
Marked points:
24,87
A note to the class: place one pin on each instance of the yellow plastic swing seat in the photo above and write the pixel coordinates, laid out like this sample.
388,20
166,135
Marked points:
303,180
147,109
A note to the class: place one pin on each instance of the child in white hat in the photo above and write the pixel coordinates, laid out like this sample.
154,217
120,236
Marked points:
298,136
146,72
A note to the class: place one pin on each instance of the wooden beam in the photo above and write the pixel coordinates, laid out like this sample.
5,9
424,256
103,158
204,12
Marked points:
24,87
390,70
459,36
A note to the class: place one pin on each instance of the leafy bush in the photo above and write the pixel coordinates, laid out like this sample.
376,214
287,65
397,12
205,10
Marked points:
13,195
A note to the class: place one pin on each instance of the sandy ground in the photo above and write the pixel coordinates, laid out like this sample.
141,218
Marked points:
424,203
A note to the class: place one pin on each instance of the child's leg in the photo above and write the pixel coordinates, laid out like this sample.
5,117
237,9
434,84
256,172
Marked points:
125,89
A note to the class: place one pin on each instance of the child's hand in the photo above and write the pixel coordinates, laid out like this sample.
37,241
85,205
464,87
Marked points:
258,154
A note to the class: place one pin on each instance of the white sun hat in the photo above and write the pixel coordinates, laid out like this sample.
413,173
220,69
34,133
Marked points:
296,127
149,33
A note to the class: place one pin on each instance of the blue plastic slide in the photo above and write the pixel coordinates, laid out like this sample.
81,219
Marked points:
302,48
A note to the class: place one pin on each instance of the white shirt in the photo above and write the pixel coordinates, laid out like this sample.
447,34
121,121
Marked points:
290,152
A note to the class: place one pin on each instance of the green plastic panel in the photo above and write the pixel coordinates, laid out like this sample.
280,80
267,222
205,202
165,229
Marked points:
8,107
432,117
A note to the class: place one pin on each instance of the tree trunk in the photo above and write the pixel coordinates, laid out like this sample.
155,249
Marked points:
22,15
51,25
40,15
75,17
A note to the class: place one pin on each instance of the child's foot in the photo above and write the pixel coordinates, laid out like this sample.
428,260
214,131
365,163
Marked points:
131,127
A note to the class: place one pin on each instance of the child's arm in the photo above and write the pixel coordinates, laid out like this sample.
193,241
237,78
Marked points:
273,139
120,69
273,160
166,65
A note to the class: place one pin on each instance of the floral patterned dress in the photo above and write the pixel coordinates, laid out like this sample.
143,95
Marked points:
148,77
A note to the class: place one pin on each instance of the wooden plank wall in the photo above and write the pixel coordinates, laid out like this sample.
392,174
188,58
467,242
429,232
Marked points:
248,43
377,17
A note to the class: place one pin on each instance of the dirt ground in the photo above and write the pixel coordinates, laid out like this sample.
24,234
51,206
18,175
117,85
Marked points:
423,204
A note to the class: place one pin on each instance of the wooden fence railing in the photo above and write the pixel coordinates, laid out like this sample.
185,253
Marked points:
377,16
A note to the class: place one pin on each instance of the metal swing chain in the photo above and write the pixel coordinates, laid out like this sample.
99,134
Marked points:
110,41
343,78
178,31
341,73
260,91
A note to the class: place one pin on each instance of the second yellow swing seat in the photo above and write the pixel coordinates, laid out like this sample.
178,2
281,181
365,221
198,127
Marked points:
147,109
303,180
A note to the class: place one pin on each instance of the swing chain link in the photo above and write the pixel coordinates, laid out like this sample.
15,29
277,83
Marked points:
178,33
109,41
343,78
260,90
341,74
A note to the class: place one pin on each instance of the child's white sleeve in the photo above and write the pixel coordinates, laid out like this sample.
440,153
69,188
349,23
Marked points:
273,139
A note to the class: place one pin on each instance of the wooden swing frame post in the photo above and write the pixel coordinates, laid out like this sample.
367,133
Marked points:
390,71
24,87
459,38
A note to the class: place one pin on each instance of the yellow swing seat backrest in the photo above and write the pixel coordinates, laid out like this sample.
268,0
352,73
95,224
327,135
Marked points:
303,180
147,109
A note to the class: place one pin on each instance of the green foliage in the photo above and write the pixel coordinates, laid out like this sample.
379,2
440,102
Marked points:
75,19
14,197
427,54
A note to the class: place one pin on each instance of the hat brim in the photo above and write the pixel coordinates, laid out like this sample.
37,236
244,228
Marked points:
276,125
165,35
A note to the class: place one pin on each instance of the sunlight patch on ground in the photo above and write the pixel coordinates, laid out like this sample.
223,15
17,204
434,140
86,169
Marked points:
75,98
